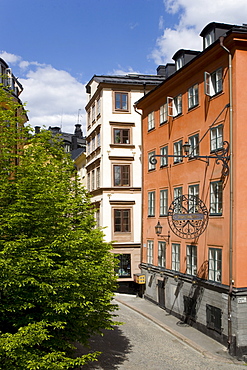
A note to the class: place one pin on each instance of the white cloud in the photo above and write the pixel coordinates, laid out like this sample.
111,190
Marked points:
193,17
122,71
53,97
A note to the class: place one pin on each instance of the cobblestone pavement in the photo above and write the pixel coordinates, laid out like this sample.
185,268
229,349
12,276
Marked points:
142,344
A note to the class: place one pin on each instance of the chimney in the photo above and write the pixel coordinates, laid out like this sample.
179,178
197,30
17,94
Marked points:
37,129
78,131
161,70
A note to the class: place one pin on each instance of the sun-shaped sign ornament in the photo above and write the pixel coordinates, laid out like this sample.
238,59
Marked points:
188,216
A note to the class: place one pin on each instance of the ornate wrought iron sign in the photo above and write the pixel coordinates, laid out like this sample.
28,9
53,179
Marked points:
188,216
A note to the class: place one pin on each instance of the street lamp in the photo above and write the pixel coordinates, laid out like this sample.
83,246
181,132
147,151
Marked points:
158,231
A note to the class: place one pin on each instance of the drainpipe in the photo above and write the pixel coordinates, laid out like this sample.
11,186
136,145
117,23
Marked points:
231,195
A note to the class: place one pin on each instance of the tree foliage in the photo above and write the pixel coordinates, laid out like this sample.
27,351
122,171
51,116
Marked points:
56,271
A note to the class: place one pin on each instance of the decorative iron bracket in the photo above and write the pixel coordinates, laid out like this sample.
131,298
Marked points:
221,156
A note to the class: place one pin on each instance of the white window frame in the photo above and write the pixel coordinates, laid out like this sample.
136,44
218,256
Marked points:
161,254
215,264
150,165
216,198
164,152
98,105
191,260
151,123
150,247
163,113
97,177
213,82
178,151
179,63
174,106
98,139
175,256
178,192
194,145
209,39
193,96
151,203
216,138
193,190
163,202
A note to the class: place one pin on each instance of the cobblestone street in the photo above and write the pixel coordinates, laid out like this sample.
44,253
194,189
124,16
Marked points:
141,344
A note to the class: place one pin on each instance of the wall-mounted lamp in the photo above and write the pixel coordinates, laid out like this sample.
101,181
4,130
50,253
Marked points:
158,231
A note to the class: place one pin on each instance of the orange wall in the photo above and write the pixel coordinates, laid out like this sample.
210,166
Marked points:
198,120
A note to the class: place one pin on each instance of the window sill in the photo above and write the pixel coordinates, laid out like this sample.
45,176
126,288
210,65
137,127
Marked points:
151,129
130,146
193,107
163,123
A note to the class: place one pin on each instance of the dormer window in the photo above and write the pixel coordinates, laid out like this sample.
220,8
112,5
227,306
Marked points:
179,63
209,39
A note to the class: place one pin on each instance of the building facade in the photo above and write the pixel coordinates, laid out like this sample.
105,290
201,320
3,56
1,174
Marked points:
114,163
194,127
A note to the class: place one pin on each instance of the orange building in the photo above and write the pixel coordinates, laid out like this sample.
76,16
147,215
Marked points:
194,125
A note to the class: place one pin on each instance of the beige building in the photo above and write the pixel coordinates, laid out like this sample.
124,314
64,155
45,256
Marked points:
114,174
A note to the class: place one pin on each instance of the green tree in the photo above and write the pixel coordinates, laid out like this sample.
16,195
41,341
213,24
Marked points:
56,271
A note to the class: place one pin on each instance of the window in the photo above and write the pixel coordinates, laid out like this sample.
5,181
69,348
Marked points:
162,254
151,203
193,190
88,147
88,181
216,195
177,148
193,96
213,317
122,220
88,119
150,248
121,136
124,269
179,63
150,121
121,174
93,113
151,166
194,146
216,138
98,139
175,256
213,82
93,143
97,177
191,260
209,39
164,160
97,218
93,180
214,264
121,101
178,192
163,202
177,105
163,113
98,107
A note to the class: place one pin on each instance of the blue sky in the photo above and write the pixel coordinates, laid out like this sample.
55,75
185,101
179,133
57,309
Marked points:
56,46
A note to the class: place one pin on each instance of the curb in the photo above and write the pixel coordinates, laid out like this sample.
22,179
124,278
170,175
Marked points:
179,336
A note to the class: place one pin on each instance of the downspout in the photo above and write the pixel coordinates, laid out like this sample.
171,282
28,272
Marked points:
231,196
142,180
